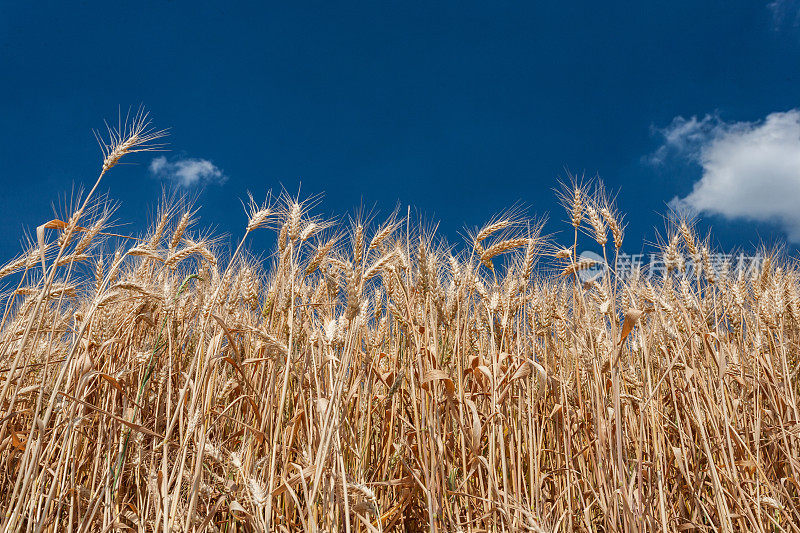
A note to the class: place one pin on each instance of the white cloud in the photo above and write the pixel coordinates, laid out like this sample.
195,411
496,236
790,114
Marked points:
187,172
751,170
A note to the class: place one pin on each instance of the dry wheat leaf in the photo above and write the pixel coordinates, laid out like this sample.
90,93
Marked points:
435,375
632,316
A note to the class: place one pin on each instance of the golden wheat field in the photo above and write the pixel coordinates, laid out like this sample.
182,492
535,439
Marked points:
366,376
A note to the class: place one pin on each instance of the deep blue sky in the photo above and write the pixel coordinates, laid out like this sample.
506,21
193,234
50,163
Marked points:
460,109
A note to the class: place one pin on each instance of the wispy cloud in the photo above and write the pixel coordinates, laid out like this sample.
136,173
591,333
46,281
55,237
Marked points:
684,137
751,170
785,12
187,172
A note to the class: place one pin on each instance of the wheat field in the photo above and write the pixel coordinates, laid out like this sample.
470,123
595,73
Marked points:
364,375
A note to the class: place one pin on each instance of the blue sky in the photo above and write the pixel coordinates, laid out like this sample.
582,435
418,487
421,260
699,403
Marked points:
460,109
